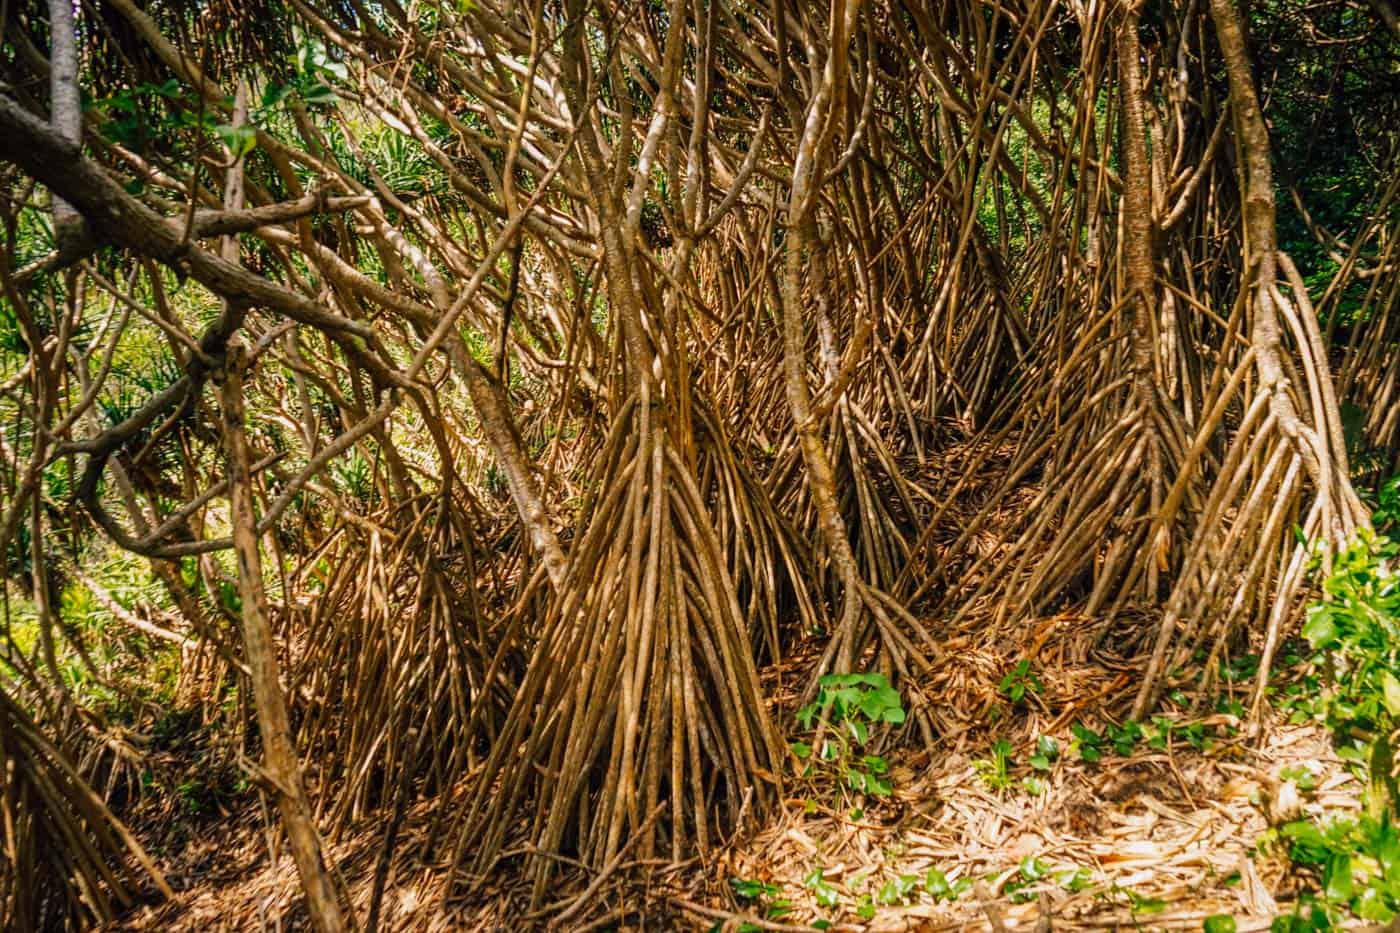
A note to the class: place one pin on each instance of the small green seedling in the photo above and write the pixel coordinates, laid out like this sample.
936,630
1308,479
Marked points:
847,707
995,771
1301,777
1019,681
1047,751
825,894
747,889
1087,742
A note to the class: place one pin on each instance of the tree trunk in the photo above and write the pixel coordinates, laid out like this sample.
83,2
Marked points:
66,112
279,751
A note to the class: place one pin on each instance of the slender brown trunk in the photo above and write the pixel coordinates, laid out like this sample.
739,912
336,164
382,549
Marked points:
66,111
821,479
1136,206
1261,258
279,750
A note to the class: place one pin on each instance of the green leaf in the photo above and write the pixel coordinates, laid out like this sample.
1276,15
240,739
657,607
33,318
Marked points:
1077,880
936,884
1371,906
1032,869
1320,630
859,731
1390,693
1146,905
1338,880
319,94
1219,923
240,139
274,94
750,890
801,750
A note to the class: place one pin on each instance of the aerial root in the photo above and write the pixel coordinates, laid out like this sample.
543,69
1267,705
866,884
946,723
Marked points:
642,689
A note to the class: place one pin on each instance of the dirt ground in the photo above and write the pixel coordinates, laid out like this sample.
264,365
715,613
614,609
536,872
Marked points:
1159,838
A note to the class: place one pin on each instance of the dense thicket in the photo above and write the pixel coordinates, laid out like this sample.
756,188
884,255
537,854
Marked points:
466,401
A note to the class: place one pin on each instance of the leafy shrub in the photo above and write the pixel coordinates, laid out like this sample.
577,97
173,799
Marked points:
1355,634
846,708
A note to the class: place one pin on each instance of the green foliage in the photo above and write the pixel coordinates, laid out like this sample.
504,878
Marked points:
897,890
995,770
1300,776
1387,514
1163,731
1076,879
1020,681
1047,752
1028,873
1356,634
352,474
853,699
846,708
137,116
1124,737
826,895
937,886
762,894
1354,860
1087,742
747,889
1141,905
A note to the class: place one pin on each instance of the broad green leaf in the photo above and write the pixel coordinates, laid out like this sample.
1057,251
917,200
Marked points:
240,139
1390,692
936,884
1320,630
1338,880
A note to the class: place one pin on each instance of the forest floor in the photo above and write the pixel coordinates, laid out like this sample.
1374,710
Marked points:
1159,833
1044,813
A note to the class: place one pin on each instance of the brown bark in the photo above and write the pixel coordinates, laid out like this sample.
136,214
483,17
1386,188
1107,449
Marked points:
279,749
1139,258
66,113
821,480
1261,254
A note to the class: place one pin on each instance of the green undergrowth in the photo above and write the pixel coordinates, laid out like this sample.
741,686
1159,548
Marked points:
839,725
1343,674
1348,862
